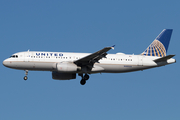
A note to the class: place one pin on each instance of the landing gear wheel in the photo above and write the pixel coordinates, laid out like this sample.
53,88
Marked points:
25,77
86,76
83,82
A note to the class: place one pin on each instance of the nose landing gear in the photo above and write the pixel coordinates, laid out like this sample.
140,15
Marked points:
26,73
25,77
84,79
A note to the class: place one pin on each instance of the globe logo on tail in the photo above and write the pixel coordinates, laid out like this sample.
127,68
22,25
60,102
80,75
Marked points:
156,48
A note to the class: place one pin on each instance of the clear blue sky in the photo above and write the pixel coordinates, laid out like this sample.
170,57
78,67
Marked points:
88,26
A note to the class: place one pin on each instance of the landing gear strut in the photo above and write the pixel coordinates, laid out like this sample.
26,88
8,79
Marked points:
84,78
26,73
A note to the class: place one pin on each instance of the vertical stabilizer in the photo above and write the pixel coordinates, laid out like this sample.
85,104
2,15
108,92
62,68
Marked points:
160,45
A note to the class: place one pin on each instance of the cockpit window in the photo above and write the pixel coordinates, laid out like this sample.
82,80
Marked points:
14,56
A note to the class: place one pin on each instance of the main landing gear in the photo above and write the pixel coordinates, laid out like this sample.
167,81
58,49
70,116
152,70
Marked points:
26,73
84,78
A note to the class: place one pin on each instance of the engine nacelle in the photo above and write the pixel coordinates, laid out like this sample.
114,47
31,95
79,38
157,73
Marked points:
66,67
63,76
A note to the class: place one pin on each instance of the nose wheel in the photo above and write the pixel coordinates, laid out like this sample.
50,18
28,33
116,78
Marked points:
84,79
25,77
26,73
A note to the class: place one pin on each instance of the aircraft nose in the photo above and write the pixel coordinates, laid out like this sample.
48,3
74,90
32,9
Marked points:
5,63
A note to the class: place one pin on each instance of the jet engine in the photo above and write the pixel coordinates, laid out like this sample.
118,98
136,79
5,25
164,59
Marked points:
67,67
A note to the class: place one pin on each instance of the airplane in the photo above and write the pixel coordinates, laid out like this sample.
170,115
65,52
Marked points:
65,65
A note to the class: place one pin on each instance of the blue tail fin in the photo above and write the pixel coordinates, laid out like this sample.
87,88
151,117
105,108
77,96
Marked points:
160,45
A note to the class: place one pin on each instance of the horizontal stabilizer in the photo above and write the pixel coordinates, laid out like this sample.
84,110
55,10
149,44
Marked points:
164,58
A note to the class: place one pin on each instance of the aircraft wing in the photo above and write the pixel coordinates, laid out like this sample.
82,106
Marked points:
94,57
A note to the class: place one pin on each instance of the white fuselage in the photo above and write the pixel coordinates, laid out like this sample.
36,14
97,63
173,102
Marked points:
65,65
112,63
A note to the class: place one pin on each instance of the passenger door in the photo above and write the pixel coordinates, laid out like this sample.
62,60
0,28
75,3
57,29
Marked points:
140,60
26,57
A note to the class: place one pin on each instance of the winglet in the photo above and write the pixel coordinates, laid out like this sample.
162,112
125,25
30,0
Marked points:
113,47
